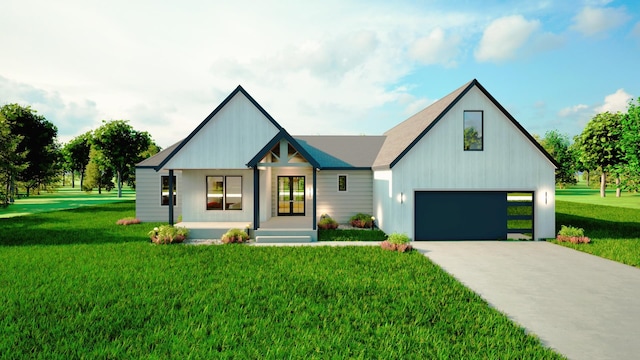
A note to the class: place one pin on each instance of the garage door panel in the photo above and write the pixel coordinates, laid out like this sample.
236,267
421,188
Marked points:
461,215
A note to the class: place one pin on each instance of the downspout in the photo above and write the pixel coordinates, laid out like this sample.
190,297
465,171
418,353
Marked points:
171,185
256,198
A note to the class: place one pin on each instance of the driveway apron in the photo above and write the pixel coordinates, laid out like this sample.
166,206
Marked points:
583,306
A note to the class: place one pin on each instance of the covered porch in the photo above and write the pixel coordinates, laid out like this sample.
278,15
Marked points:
276,229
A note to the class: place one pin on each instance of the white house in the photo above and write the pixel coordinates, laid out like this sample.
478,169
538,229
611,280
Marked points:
462,168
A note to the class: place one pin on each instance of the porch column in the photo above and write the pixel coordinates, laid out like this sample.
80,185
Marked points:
314,199
171,196
256,198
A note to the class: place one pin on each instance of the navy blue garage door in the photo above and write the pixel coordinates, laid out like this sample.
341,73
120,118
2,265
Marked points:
460,215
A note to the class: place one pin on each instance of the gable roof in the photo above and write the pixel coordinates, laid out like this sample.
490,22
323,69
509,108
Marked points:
155,160
342,151
283,134
238,89
404,136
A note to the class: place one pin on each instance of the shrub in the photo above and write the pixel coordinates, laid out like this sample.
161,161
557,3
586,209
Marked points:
128,221
235,236
361,220
397,242
168,234
327,223
573,235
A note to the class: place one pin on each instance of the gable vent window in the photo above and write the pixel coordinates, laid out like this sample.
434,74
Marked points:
342,183
473,130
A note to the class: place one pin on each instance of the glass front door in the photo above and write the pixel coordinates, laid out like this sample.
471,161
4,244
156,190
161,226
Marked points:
291,194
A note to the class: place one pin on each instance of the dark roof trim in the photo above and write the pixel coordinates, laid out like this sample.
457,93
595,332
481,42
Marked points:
433,123
238,89
473,83
517,124
283,134
346,168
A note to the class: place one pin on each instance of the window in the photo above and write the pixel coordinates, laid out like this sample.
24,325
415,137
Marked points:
224,192
342,183
164,190
473,129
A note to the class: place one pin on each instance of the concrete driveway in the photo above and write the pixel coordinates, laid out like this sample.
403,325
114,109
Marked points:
583,306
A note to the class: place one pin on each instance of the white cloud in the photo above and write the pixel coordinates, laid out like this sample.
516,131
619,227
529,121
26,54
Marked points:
591,21
618,101
504,37
436,48
572,110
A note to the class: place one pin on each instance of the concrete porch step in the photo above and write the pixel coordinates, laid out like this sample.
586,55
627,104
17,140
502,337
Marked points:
284,235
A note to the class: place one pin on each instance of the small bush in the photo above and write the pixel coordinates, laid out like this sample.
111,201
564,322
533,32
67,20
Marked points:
571,231
361,220
168,234
397,242
573,235
327,223
235,236
128,221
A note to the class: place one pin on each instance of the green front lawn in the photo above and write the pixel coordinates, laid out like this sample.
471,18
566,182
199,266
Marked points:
614,231
77,285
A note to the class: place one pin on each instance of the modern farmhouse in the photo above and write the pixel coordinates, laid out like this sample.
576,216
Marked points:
461,169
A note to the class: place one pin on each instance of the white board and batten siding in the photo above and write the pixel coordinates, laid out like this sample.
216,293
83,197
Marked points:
194,183
229,140
148,195
508,162
342,205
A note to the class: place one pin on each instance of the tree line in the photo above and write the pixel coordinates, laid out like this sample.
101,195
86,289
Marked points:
608,147
32,159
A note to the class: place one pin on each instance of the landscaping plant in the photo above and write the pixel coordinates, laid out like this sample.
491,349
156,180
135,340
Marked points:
573,235
327,223
128,221
361,220
168,234
397,242
235,236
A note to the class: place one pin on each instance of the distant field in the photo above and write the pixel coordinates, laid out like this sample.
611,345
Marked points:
582,194
63,198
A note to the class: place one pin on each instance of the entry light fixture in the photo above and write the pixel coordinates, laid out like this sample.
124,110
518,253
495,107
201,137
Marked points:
545,198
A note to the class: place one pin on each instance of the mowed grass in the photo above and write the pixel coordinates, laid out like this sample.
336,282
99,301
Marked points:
614,231
62,199
580,193
75,285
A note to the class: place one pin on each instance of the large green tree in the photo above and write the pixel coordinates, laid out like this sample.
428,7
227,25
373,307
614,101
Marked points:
630,146
559,146
77,153
38,142
11,161
599,145
121,146
98,173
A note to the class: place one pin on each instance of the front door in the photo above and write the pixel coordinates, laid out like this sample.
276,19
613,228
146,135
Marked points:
291,195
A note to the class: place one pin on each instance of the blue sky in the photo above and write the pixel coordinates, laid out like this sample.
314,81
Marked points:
330,67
